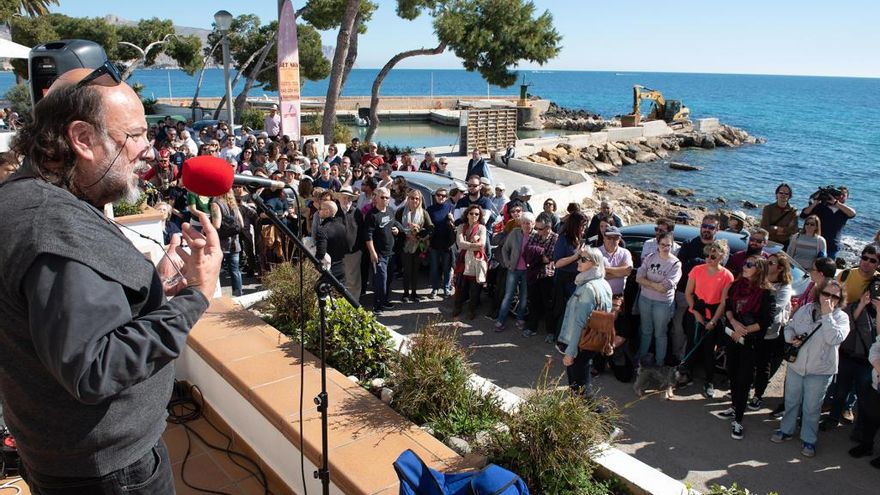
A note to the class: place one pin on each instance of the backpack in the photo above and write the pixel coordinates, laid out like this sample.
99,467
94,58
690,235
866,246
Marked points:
228,223
416,478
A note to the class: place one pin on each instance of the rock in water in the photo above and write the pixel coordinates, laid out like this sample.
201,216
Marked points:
605,168
680,192
684,166
749,204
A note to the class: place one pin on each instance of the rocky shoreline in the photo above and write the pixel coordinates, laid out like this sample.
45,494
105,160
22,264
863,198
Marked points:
610,157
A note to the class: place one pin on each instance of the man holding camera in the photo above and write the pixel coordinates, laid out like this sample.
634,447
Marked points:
829,204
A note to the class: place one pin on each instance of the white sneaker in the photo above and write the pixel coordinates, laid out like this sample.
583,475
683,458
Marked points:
728,413
736,430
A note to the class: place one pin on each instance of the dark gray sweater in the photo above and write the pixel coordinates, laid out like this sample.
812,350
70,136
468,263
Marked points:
87,334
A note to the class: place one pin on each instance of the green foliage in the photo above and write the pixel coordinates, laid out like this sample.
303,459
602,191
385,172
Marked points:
515,34
19,97
124,209
149,105
32,8
341,132
551,438
734,489
31,31
291,302
431,385
327,14
391,148
248,36
252,117
356,343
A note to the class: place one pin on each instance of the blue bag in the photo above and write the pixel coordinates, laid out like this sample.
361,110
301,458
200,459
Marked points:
416,478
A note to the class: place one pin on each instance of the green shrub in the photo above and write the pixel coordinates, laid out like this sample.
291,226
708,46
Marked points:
356,344
124,209
252,117
732,490
392,149
551,438
291,302
19,97
341,132
431,385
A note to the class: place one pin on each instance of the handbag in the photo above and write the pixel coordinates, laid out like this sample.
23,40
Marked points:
790,353
598,333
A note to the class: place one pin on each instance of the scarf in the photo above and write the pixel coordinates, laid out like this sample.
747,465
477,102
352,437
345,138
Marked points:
746,297
410,217
584,277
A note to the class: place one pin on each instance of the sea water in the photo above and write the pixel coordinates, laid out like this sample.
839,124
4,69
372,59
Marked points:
819,130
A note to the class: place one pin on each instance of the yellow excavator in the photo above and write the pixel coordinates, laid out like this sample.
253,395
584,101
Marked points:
671,111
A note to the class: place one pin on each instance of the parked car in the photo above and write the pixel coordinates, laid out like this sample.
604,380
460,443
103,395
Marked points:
426,183
635,236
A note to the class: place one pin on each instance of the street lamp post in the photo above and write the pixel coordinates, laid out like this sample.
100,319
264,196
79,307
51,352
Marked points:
223,20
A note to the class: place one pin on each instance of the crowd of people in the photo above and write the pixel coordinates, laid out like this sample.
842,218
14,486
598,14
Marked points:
680,304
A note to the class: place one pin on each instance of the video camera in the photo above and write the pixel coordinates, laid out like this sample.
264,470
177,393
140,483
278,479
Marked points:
827,193
874,287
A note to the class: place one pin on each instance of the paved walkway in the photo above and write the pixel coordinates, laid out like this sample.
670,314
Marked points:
683,438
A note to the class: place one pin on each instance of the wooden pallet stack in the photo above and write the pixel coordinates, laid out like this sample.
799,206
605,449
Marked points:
487,129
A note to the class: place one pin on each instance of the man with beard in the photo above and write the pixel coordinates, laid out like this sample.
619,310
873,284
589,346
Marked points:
757,241
88,336
690,255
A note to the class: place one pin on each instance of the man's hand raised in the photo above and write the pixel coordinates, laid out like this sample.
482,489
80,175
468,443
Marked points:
201,266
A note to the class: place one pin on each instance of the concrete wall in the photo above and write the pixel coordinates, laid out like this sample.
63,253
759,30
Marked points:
655,128
559,175
707,125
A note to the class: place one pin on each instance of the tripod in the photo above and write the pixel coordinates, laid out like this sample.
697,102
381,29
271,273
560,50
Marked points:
325,285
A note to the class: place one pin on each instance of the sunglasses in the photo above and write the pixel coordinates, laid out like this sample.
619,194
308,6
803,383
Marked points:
582,259
870,259
440,195
473,185
783,193
474,214
659,230
832,295
772,263
665,244
541,229
106,69
750,264
708,226
712,257
813,224
384,197
756,241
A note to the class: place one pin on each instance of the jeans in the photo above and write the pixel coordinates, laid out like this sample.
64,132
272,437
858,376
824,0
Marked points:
677,338
515,278
441,268
655,320
804,394
230,261
852,374
149,475
380,280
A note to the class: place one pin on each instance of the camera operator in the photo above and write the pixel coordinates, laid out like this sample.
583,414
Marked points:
829,204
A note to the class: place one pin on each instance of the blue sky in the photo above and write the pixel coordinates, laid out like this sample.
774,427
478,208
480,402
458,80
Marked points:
805,37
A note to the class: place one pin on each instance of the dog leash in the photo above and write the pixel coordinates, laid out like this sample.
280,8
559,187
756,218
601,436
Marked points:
696,344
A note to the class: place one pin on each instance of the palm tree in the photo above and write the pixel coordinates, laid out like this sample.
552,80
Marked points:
30,8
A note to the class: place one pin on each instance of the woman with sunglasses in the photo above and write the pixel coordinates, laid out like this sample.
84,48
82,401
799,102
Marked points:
808,244
749,310
817,330
565,255
417,229
706,295
472,265
770,348
592,293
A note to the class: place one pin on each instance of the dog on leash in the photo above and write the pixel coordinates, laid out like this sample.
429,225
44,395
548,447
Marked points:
657,378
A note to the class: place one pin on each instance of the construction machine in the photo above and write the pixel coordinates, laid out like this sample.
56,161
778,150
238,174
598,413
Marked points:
670,111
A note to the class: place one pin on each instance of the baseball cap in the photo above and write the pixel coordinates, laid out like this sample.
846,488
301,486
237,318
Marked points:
500,185
612,231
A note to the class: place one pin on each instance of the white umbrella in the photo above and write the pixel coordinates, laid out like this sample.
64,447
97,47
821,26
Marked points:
9,49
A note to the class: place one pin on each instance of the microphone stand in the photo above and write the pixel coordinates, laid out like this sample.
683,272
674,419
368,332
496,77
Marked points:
326,283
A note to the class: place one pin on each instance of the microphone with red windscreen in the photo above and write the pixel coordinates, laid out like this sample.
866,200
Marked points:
208,175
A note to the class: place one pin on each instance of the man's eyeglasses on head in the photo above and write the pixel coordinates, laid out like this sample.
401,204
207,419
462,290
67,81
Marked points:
106,69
